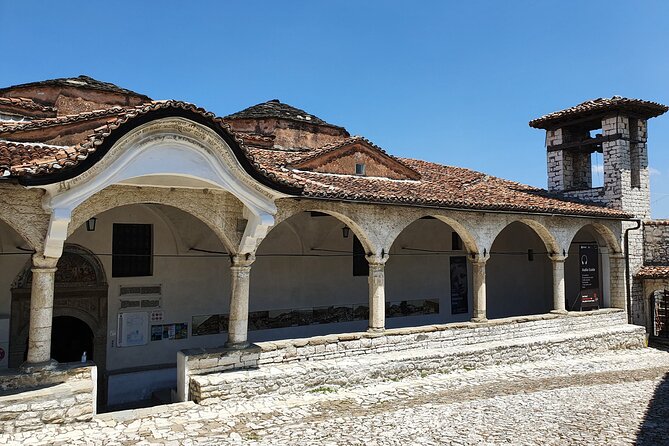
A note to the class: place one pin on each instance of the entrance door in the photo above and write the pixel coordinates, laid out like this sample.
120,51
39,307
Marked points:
70,338
661,314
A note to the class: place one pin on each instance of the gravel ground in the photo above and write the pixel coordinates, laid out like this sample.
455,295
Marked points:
617,398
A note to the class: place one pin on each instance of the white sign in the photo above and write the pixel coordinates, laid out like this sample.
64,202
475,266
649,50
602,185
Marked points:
133,329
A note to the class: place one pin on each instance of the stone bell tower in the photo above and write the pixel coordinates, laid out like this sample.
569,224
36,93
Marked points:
616,128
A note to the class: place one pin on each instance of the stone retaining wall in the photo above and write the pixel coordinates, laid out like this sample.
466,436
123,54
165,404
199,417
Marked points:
64,394
195,362
299,377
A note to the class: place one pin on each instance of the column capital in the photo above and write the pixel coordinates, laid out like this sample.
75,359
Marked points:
42,263
557,257
242,260
479,258
376,259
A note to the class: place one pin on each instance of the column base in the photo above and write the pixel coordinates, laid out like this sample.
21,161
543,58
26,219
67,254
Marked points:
558,311
375,330
237,345
28,367
479,320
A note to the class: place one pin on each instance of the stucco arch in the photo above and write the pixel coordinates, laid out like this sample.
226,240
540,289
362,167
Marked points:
220,212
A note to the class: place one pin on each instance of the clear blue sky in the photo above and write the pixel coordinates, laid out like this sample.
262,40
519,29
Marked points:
448,81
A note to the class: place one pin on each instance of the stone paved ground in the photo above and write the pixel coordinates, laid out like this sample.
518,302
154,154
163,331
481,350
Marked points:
617,398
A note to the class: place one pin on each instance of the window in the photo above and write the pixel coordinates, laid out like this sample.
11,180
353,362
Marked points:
456,242
360,264
359,169
132,247
635,155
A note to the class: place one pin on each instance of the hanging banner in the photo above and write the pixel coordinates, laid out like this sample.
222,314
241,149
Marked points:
459,285
589,267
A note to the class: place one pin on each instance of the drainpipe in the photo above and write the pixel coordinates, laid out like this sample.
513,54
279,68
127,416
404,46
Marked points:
627,269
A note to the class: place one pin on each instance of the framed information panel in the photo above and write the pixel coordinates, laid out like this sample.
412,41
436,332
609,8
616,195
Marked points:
133,329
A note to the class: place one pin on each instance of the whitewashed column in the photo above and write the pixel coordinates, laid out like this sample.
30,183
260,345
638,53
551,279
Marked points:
377,293
478,281
559,305
41,310
238,324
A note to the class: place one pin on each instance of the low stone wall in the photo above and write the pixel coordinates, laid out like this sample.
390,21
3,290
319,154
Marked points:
63,394
299,377
196,362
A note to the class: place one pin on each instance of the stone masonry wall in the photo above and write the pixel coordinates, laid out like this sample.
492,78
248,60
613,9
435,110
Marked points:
202,362
656,242
417,353
62,395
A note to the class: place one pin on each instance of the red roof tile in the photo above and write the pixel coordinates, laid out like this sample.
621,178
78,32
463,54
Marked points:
594,107
653,272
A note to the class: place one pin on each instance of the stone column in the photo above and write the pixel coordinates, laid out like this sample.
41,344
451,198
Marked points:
238,323
377,293
41,310
559,305
618,288
478,281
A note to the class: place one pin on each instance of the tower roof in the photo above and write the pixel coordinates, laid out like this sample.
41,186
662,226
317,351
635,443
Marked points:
598,107
278,110
81,81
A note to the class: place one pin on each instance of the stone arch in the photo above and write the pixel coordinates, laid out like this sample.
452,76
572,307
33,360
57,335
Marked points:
550,241
220,212
607,235
467,236
21,209
364,237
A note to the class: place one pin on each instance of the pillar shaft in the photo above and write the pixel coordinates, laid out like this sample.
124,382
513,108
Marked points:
41,309
479,308
377,297
240,272
559,305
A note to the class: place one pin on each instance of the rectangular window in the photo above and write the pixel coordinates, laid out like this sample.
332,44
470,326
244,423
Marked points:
359,169
132,250
360,264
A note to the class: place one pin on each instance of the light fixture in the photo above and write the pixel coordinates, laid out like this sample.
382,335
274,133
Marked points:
90,224
345,231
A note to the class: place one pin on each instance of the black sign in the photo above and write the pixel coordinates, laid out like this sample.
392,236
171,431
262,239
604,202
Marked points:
589,266
459,285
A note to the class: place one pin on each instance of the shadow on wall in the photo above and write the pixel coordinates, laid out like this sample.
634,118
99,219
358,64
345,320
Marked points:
653,431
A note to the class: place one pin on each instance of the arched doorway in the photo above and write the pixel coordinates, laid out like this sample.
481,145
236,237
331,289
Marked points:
71,338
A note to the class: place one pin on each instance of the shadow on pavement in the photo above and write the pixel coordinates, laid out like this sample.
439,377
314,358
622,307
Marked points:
654,431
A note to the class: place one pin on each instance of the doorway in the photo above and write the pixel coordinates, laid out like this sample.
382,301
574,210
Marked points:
70,338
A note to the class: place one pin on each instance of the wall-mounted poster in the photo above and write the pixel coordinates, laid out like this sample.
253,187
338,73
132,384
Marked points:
589,267
169,331
459,285
133,328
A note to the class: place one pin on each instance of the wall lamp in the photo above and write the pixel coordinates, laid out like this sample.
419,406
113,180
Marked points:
345,231
90,224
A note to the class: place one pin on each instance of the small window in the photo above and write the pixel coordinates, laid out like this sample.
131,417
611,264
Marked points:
359,169
360,264
635,154
456,242
132,250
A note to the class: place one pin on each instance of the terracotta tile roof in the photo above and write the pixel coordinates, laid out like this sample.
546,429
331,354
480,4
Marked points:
653,272
27,104
439,186
279,110
81,81
593,107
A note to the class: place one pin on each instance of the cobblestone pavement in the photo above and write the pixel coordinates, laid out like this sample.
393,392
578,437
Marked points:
616,398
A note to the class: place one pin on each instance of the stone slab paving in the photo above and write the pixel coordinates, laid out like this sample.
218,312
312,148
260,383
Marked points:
616,398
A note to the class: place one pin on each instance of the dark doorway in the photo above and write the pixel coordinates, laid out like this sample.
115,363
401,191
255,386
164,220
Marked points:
70,338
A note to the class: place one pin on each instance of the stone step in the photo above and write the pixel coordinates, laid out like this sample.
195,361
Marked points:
296,377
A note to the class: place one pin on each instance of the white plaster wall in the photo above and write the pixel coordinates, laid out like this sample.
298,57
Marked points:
515,285
192,283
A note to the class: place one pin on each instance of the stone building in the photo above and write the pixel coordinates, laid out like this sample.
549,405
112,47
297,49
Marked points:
135,229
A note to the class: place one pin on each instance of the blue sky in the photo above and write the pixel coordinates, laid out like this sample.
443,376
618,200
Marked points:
453,82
